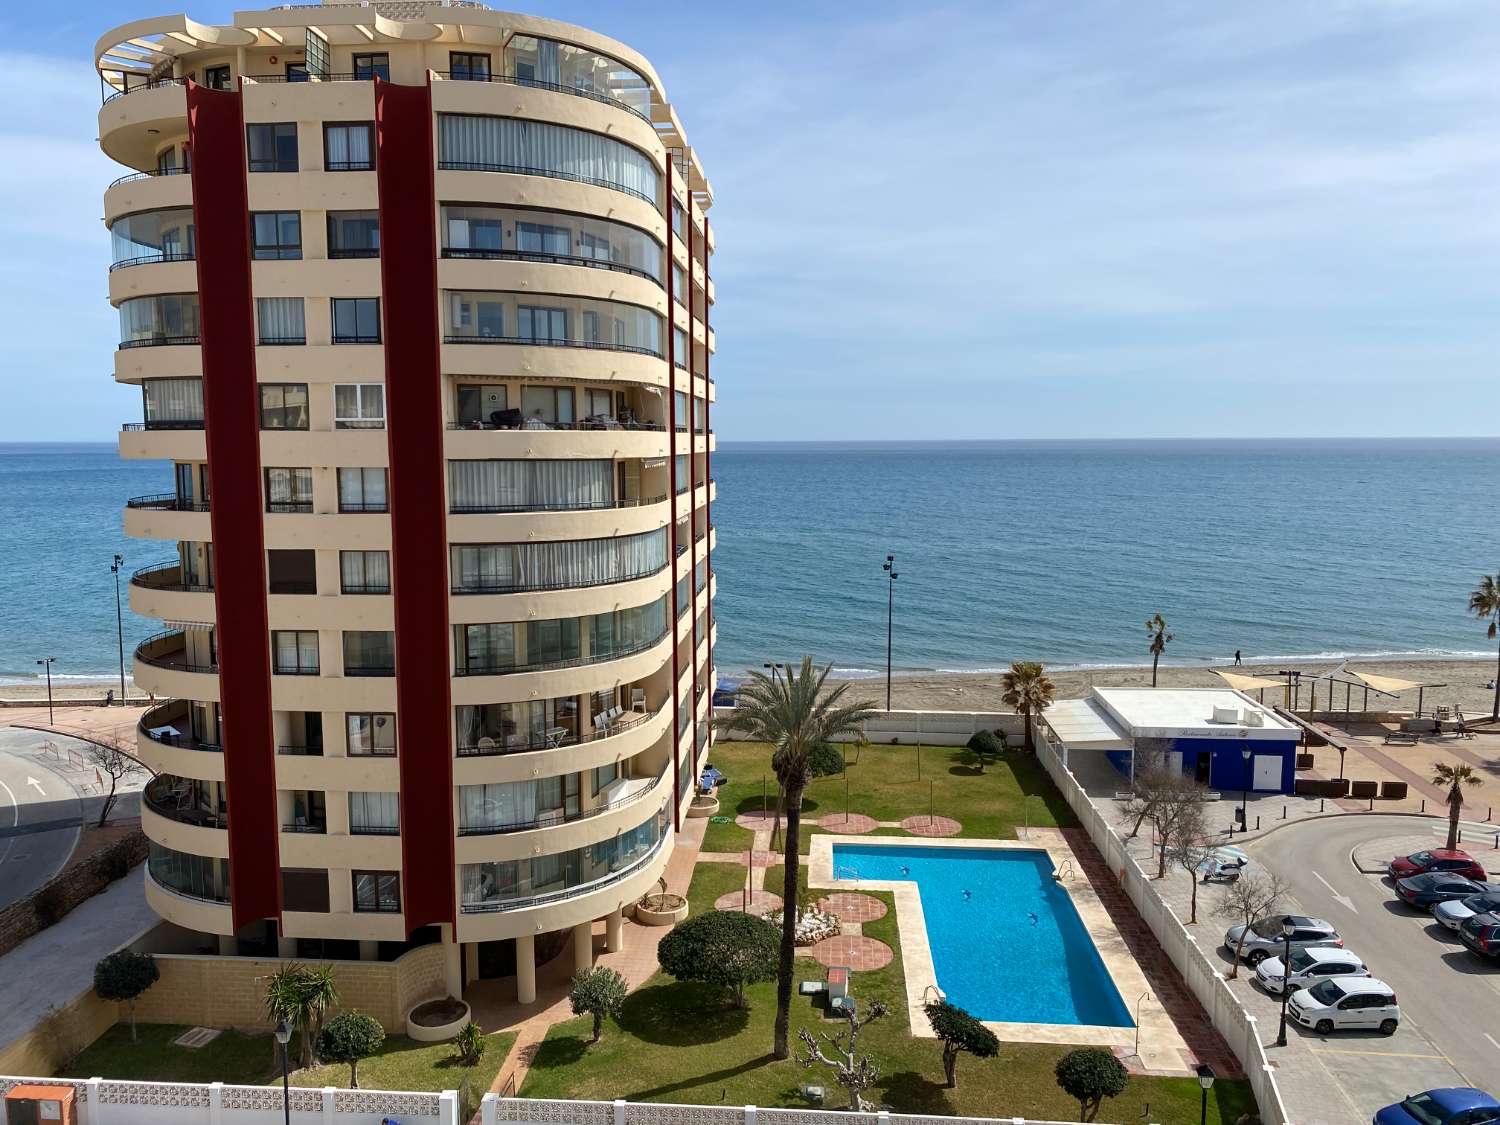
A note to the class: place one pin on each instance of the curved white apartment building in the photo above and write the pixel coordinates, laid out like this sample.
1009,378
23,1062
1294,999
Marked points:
417,296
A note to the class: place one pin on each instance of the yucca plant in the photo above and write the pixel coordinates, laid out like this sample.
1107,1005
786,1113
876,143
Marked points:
793,711
302,995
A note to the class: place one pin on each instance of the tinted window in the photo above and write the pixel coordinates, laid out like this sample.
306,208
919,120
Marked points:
272,148
1326,992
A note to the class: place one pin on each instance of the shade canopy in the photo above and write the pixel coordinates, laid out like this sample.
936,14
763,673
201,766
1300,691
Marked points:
1081,725
1241,682
1391,684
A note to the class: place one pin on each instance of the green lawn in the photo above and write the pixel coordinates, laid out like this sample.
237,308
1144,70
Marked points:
883,783
251,1060
678,1042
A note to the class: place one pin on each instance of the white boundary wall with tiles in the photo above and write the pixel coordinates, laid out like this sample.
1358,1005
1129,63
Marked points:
495,1110
103,1101
930,728
1214,995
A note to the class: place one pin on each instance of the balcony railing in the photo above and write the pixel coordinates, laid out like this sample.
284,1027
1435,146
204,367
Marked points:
557,816
135,177
281,341
337,76
150,259
369,669
355,252
300,751
384,588
357,506
587,424
160,800
303,507
551,342
151,725
167,576
154,84
555,87
159,342
492,747
356,338
550,173
566,892
166,502
472,669
532,587
552,259
294,669
601,505
374,830
318,828
163,424
168,650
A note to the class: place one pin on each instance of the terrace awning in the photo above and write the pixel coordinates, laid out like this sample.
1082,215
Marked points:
1080,724
1241,682
1392,684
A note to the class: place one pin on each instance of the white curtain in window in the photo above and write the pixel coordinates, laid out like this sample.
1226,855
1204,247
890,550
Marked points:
173,400
498,805
347,144
280,318
505,143
373,811
498,486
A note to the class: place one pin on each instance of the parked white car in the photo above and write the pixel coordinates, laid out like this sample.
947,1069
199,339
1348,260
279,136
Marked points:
1345,1004
1456,912
1309,966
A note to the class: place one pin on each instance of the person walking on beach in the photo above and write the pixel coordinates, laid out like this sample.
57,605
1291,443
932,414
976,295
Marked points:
1237,661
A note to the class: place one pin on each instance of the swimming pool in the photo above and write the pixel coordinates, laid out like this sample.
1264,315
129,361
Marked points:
1007,943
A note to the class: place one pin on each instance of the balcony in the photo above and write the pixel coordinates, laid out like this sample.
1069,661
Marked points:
543,341
464,253
538,84
166,576
158,341
162,424
628,791
184,801
303,507
140,177
148,259
166,502
160,725
139,87
522,587
573,892
557,506
474,668
168,650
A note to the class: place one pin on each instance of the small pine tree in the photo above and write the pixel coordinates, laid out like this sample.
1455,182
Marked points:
959,1031
349,1037
1091,1074
598,992
722,947
123,976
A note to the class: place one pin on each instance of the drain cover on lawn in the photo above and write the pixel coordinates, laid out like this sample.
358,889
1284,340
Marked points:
195,1037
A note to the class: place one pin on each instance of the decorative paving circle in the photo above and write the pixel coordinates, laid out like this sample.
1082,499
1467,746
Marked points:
851,907
925,825
760,859
855,824
860,953
761,902
756,821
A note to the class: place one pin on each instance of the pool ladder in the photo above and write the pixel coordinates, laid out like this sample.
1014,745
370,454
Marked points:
1064,871
841,873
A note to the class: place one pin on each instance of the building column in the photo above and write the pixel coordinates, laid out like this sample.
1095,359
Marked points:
526,969
614,924
471,960
228,945
453,969
583,946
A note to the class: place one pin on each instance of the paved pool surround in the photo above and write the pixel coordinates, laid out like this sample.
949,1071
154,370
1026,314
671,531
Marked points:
1161,1048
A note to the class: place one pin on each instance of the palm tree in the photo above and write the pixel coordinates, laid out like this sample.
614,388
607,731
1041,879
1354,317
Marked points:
1156,629
1026,688
1485,603
793,713
1455,778
302,995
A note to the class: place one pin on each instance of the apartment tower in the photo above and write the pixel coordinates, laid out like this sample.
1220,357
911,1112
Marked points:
417,296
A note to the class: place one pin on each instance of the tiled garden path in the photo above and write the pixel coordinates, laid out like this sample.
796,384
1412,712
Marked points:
853,908
932,826
858,952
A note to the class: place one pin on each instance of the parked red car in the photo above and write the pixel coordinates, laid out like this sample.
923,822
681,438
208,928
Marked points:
1438,859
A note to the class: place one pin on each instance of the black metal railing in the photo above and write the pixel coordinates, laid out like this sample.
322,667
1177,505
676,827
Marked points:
381,588
295,669
349,165
158,800
359,423
146,577
553,259
332,76
159,651
154,84
159,342
357,506
566,892
374,830
374,752
148,259
553,342
273,165
529,170
157,717
288,586
318,829
595,506
585,424
136,177
500,746
355,252
300,751
351,338
474,669
163,424
289,506
166,502
562,584
280,341
369,669
537,84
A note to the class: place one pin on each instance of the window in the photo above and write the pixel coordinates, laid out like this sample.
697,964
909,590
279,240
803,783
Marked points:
275,235
530,485
562,66
169,318
272,148
372,66
509,144
370,652
152,236
604,777
487,649
373,814
371,733
684,478
679,283
304,889
479,403
172,403
465,66
309,811
679,348
359,406
356,320
503,728
506,805
377,892
362,490
281,320
292,572
353,234
542,325
294,652
297,71
538,238
289,490
472,232
365,572
550,405
283,406
349,148
216,77
496,567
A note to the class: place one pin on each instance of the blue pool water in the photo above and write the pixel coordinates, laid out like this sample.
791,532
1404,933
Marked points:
991,957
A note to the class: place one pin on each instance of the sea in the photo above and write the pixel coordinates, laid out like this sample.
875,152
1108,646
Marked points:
1050,550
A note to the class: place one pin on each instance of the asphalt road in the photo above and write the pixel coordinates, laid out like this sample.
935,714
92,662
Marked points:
1450,999
40,818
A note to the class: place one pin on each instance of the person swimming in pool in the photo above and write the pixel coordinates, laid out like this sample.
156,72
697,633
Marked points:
1032,915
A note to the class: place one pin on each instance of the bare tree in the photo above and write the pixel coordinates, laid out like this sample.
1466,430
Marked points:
1177,813
856,1073
1184,847
1152,780
1249,899
115,765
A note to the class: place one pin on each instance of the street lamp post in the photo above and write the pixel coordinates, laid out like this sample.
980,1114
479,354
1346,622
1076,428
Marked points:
1205,1082
47,662
890,607
1286,978
119,622
284,1036
1245,786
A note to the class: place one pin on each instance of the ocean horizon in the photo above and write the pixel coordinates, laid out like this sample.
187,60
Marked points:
1057,550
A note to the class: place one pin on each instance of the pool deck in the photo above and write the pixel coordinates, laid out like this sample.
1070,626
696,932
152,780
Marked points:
1161,1050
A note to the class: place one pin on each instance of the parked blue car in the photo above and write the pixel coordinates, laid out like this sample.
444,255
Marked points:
1453,1105
1426,891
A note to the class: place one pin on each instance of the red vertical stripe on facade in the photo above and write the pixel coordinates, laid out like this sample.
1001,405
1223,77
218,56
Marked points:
231,412
672,535
708,503
692,399
417,491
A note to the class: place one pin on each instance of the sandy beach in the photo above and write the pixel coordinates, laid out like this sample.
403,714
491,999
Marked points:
1465,684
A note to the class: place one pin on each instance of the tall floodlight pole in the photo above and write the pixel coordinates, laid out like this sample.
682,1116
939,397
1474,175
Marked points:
890,607
119,622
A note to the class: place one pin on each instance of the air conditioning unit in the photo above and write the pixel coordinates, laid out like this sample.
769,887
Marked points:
1254,718
1229,715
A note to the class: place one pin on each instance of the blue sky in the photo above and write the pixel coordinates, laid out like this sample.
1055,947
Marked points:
972,220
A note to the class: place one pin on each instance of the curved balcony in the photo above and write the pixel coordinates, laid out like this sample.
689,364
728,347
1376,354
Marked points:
538,84
134,120
475,606
631,791
583,365
163,667
165,502
490,271
501,190
159,441
148,191
473,668
208,839
158,591
166,575
207,911
496,761
592,506
162,744
179,800
477,443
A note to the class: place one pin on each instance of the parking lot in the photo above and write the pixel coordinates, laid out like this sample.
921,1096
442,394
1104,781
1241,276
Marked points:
1449,998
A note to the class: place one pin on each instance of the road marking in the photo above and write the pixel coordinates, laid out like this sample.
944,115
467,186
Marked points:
1381,1054
1491,1038
15,819
1343,900
37,785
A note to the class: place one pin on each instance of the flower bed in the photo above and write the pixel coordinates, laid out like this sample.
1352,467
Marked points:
812,927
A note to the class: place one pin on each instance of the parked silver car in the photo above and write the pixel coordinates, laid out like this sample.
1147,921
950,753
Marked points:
1309,966
1456,912
1266,937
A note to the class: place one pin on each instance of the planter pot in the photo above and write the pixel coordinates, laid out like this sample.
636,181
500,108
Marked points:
703,806
449,1024
661,910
